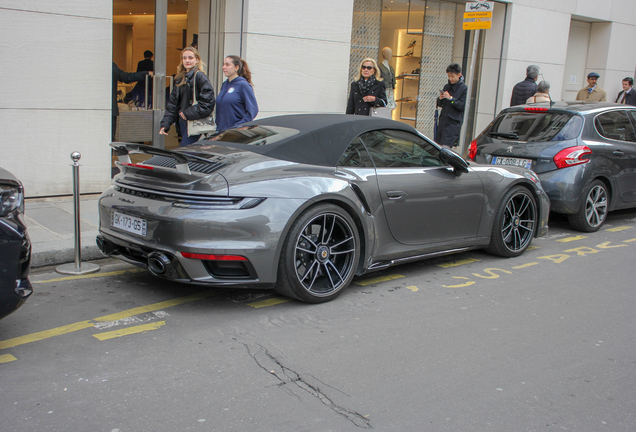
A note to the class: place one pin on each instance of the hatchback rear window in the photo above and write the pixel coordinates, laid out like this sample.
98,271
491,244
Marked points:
536,126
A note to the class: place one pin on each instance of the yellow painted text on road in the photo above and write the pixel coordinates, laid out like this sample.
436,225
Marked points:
457,263
620,228
571,239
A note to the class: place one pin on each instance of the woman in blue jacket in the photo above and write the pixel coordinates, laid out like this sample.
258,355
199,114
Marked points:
236,103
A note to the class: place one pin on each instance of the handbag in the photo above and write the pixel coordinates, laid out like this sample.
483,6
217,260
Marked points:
203,125
383,112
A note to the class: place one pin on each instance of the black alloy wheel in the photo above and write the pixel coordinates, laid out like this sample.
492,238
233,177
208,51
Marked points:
319,256
593,210
515,223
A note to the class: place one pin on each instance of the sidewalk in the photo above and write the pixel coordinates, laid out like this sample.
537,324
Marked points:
51,225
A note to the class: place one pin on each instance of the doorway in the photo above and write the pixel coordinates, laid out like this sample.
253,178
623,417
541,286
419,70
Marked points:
574,78
151,32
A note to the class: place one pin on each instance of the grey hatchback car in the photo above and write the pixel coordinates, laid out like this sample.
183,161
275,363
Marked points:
584,153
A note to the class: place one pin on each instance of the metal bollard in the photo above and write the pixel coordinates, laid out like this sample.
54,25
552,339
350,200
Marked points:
76,268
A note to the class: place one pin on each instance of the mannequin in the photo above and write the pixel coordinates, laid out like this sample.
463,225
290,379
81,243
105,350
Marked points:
388,75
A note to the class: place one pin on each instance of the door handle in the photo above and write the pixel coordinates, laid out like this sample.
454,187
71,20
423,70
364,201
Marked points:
618,153
395,194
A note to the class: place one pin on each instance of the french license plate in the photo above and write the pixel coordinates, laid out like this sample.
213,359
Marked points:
128,223
525,163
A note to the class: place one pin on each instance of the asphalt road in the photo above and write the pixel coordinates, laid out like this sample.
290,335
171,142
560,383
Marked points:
469,342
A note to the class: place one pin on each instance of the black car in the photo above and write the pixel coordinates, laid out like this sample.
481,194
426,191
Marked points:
15,246
584,153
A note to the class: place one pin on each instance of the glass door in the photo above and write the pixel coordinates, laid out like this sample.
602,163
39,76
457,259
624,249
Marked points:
149,35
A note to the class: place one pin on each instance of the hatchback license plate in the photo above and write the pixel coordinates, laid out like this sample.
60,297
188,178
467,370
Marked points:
128,223
525,163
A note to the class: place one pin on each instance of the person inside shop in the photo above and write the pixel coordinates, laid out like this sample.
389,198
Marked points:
236,103
526,88
125,77
627,96
190,76
593,92
452,100
542,94
146,64
388,75
367,90
138,93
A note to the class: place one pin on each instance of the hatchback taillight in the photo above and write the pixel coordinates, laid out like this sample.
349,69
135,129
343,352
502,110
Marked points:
572,156
472,152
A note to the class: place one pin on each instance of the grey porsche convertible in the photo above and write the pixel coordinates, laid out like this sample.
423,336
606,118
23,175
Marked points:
304,203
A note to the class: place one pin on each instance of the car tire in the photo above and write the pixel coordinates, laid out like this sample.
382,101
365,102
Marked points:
515,223
319,255
593,210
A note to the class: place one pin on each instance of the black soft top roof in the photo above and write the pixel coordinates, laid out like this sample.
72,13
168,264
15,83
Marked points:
321,138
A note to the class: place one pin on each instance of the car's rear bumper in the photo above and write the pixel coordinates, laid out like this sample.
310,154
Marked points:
565,188
250,233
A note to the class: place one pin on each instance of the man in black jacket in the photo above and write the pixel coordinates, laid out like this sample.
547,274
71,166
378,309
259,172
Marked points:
452,99
526,88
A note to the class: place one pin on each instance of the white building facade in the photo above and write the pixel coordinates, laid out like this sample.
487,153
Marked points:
57,64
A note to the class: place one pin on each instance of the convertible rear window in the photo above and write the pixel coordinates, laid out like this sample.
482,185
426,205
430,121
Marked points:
535,126
253,135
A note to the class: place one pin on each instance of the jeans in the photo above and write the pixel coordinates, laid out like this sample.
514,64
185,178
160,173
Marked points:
185,139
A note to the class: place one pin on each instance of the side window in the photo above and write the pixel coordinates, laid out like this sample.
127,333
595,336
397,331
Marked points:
400,149
355,156
615,125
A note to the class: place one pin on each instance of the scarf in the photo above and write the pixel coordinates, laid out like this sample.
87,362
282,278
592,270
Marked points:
365,85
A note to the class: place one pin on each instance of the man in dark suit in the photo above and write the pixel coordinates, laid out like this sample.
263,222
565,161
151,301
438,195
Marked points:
146,64
526,88
628,95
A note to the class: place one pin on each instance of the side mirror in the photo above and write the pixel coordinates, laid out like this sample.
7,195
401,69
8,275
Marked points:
453,159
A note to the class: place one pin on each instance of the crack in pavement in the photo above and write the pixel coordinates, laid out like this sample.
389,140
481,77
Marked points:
287,376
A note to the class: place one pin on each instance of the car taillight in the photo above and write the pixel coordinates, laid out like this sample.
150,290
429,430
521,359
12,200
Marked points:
213,257
134,165
572,156
536,109
472,152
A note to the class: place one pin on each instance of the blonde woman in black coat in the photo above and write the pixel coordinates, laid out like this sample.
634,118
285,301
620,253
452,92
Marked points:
367,90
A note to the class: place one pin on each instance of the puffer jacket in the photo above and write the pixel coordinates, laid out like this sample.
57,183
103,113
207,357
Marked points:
181,99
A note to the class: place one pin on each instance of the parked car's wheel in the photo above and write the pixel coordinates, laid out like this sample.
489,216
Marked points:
319,256
593,210
515,223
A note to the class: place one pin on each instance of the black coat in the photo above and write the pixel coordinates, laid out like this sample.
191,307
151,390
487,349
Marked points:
125,77
630,98
522,91
450,119
181,101
358,106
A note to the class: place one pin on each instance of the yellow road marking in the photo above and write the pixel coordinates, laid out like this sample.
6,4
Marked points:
525,265
460,285
620,228
269,302
606,245
378,280
128,331
93,275
533,247
571,239
34,337
155,306
412,288
6,358
629,241
458,263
